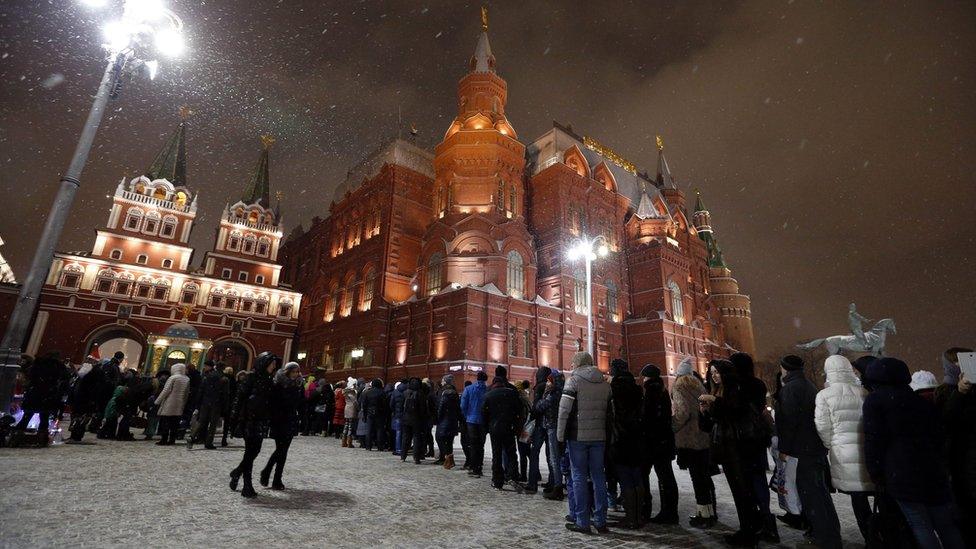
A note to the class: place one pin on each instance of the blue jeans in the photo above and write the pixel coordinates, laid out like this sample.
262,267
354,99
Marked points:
586,462
396,430
538,436
567,481
555,459
928,520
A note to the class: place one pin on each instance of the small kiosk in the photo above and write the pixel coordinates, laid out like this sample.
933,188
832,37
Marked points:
181,343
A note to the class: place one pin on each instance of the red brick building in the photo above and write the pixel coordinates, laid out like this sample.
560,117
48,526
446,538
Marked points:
455,260
137,292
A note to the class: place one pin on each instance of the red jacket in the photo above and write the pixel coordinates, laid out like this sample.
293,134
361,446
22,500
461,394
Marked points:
340,407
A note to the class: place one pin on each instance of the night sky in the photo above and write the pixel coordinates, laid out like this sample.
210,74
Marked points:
834,143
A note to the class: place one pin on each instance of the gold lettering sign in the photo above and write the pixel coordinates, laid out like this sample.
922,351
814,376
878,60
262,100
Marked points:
609,154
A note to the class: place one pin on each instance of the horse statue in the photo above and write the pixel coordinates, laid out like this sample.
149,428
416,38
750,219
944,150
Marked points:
874,340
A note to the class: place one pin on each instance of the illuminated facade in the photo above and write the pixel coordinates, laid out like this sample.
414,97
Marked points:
136,291
455,260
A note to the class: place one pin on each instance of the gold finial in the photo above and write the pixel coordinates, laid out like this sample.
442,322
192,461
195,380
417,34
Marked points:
697,191
484,18
185,112
267,141
279,195
660,143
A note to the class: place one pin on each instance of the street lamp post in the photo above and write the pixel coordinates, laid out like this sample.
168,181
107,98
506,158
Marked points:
588,250
145,26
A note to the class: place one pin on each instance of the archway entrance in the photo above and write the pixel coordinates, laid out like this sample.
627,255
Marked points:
232,353
107,342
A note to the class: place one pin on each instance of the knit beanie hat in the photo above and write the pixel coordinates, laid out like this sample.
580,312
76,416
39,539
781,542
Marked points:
582,359
448,380
791,363
618,367
650,370
482,376
685,368
923,379
861,365
501,371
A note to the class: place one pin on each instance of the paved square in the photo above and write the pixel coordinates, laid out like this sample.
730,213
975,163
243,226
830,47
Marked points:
137,494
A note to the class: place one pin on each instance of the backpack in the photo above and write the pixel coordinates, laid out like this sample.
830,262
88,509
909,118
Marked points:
410,403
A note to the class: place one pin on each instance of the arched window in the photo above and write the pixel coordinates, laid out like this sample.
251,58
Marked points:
230,300
513,201
369,287
234,241
168,228
160,289
142,259
264,246
500,198
105,281
434,273
144,287
133,219
284,308
261,304
167,263
115,254
71,277
612,306
516,275
249,242
152,223
190,292
677,306
332,302
123,284
216,298
348,294
247,302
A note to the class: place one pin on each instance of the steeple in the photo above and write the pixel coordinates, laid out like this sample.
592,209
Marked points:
645,208
664,178
699,205
170,162
483,60
258,190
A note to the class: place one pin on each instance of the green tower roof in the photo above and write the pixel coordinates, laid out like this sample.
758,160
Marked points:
258,191
170,163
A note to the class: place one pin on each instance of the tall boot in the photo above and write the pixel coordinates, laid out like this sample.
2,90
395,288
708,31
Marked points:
248,489
276,484
769,533
235,477
266,474
631,508
449,461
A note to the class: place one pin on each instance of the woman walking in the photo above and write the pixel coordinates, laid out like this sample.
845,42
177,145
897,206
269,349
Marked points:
252,415
286,405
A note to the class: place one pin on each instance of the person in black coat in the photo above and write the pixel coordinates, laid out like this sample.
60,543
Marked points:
797,437
225,414
903,438
111,374
502,412
626,439
539,434
286,409
415,419
212,397
449,420
754,392
376,411
252,417
959,417
659,448
722,413
46,381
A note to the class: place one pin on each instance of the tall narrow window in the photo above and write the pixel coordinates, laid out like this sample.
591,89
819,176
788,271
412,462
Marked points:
516,275
512,342
677,307
612,302
579,292
168,228
500,194
348,294
369,284
526,344
434,274
513,201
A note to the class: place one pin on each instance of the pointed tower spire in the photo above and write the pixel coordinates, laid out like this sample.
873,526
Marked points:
699,205
258,190
645,208
483,60
664,178
170,162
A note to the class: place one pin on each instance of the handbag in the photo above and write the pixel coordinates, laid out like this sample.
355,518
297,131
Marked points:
527,430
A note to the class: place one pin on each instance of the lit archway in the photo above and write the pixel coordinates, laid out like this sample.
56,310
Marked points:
233,352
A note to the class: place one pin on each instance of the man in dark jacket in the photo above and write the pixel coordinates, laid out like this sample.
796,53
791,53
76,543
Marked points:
472,403
903,443
959,418
229,405
376,412
110,375
658,448
538,431
548,409
211,401
798,437
193,397
396,411
416,417
45,387
502,413
625,442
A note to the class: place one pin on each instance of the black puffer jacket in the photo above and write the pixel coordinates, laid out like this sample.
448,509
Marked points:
214,390
502,410
252,407
416,410
626,425
795,405
539,391
47,379
286,402
375,402
549,405
656,418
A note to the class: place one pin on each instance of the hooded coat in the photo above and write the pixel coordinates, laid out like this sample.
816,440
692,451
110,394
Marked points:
658,431
549,405
583,406
503,411
339,416
415,412
351,400
252,407
840,423
684,413
539,391
172,398
375,403
449,417
795,430
285,404
903,437
396,400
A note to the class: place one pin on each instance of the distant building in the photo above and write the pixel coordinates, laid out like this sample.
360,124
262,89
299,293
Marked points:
136,291
455,260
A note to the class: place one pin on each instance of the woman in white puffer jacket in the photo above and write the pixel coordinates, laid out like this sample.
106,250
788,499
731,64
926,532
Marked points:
840,423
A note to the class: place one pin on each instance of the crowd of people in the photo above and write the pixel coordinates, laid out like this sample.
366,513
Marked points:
902,447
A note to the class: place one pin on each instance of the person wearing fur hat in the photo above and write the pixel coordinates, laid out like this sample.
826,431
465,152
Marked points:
839,420
797,437
903,442
659,449
692,443
449,420
286,408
